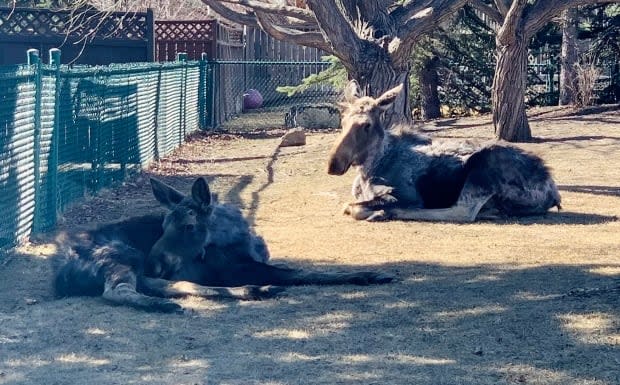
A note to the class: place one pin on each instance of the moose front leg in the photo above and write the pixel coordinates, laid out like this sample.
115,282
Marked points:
120,288
360,211
375,208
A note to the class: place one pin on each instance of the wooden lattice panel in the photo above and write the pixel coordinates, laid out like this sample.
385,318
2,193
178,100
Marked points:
185,30
44,23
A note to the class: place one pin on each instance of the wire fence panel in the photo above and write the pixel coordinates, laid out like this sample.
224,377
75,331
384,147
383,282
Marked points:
233,80
46,183
17,131
68,131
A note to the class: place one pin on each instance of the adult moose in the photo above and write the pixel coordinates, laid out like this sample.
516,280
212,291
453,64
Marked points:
199,247
404,176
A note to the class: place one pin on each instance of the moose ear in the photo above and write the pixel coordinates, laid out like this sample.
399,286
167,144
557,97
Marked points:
386,100
352,91
166,195
201,193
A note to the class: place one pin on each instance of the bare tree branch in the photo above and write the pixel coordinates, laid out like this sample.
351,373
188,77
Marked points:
503,6
308,39
374,13
336,28
234,16
488,10
281,10
508,31
543,11
426,18
409,8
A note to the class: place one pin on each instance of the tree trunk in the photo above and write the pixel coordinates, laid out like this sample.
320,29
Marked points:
568,57
509,116
429,81
377,74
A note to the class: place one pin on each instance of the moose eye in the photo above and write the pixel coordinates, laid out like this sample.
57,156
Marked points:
366,127
191,213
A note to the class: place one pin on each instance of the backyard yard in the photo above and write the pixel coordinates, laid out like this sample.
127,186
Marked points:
528,301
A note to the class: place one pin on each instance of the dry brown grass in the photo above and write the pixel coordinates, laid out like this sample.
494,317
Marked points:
475,304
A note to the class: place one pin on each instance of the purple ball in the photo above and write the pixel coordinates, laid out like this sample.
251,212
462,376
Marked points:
252,99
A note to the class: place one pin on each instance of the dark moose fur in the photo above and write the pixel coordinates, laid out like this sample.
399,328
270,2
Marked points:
198,247
403,175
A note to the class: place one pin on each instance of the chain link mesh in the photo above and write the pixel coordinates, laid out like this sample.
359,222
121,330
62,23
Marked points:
67,132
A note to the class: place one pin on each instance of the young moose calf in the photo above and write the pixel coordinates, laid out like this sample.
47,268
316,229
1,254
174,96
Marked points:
404,176
198,247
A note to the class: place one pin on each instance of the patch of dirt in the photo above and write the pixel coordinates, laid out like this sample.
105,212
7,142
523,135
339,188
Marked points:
479,303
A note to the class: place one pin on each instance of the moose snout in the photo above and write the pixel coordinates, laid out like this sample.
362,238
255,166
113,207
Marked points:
336,166
339,161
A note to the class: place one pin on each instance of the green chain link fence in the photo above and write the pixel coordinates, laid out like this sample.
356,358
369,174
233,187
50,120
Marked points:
232,79
67,132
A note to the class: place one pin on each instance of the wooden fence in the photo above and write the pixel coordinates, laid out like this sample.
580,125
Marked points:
243,58
85,37
91,37
190,36
260,46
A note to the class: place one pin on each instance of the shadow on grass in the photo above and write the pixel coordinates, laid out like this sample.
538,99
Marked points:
438,324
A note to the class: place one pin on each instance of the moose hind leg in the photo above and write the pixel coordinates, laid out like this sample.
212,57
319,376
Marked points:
465,210
521,182
176,289
255,273
361,278
120,289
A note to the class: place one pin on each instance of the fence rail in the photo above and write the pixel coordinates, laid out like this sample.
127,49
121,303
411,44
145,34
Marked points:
68,131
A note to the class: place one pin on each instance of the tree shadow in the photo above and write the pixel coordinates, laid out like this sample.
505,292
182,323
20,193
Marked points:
234,159
438,324
595,190
574,139
558,218
238,183
450,124
571,112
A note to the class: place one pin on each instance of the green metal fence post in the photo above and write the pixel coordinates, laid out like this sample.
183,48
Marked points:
182,58
150,35
35,60
202,92
52,167
212,91
98,159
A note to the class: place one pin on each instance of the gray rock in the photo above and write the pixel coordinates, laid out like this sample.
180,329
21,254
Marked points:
293,137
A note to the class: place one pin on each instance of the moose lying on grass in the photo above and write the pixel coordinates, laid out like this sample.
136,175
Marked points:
404,176
198,247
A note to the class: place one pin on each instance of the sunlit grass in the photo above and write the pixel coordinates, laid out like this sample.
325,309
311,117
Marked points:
471,312
74,358
593,328
291,334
